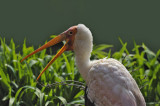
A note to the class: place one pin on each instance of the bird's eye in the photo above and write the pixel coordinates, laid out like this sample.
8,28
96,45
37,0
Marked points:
70,32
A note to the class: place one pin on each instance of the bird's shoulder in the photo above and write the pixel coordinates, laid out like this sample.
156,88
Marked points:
108,68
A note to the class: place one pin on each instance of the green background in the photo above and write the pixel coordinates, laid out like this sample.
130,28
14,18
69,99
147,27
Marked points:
36,20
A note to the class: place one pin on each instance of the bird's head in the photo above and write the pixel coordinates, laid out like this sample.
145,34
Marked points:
75,37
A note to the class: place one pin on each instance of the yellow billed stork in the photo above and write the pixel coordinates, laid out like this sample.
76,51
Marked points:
108,82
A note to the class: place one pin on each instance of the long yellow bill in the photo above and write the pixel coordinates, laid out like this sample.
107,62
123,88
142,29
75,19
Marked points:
68,35
64,48
54,41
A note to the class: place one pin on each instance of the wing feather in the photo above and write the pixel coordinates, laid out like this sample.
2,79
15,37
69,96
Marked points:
110,84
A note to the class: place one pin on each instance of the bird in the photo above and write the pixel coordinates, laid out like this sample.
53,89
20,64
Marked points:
108,82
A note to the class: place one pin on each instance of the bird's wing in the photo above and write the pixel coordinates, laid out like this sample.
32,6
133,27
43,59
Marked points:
128,98
110,84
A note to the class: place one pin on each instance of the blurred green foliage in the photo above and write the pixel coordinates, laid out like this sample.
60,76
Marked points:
18,84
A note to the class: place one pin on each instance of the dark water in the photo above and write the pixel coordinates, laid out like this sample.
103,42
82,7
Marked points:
36,20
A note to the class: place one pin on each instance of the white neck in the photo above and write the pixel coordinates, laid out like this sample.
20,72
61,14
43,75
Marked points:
83,63
83,47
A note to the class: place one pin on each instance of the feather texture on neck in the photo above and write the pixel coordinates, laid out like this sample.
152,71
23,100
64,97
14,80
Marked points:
83,47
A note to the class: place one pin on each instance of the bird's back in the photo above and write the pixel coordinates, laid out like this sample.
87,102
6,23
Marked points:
110,84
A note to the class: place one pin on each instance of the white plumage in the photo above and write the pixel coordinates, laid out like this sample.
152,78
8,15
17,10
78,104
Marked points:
110,84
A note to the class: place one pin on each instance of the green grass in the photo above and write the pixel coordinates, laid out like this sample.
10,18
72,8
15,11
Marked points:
18,84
